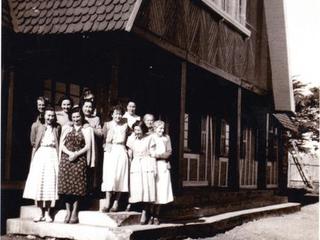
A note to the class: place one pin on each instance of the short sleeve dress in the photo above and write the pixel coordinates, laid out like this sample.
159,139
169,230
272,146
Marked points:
73,175
142,171
115,176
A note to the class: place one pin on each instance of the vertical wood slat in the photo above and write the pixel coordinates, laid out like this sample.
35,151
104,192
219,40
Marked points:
183,85
238,137
8,149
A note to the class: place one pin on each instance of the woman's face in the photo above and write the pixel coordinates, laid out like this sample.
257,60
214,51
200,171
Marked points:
76,118
159,130
148,121
87,108
137,131
66,105
131,107
41,106
49,117
117,116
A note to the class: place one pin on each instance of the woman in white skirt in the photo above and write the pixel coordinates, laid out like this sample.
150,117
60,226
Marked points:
115,175
42,182
162,152
142,169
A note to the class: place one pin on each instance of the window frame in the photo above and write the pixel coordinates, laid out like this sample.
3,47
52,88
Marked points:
239,25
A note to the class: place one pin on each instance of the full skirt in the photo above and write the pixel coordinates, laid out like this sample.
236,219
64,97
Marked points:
164,193
42,181
115,170
142,180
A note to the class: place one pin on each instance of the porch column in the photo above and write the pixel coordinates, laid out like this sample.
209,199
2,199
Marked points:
8,138
262,150
183,84
235,143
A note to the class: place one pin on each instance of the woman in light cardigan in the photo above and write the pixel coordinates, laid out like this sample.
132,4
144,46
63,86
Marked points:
77,152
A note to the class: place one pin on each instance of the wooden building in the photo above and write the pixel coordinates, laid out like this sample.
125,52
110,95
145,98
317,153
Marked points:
215,70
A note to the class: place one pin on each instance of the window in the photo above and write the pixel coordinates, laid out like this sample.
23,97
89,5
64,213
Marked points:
233,11
186,129
235,8
272,153
224,140
192,133
55,90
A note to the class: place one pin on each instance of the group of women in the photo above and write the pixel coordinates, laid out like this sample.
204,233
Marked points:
66,146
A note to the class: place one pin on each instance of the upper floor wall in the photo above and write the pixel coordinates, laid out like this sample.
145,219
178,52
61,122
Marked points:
209,39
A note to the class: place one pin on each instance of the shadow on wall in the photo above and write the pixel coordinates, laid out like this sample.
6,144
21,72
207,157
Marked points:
11,200
302,196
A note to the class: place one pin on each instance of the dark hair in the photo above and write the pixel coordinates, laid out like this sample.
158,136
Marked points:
83,101
117,108
140,124
130,102
77,109
46,103
84,97
50,108
44,99
65,98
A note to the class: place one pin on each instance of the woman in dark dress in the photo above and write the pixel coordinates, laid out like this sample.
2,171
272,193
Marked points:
77,152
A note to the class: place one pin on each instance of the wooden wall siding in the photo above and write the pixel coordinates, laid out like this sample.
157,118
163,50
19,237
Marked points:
191,26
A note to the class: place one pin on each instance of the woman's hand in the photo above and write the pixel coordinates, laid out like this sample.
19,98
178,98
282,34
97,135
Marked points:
73,156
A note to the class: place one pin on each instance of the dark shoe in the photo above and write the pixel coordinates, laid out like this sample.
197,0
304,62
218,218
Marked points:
156,221
39,219
67,218
74,220
105,210
114,207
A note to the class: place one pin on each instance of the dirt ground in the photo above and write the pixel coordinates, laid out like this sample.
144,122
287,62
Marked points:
303,225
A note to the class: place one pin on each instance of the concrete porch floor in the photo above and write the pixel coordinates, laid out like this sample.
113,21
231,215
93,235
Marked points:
201,227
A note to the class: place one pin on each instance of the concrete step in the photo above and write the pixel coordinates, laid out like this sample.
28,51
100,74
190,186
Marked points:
94,218
172,212
65,231
201,227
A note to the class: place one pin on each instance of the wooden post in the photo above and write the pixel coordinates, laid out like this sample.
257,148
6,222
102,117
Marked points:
263,127
235,143
183,85
8,144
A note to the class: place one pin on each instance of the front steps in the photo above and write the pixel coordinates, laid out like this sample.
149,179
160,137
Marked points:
94,218
201,227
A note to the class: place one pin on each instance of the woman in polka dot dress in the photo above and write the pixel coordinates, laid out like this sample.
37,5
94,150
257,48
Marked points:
77,152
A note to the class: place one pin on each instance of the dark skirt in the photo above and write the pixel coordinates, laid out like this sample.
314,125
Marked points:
72,177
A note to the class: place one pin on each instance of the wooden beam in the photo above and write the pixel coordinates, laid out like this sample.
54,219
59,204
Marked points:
133,15
8,144
185,55
183,86
239,116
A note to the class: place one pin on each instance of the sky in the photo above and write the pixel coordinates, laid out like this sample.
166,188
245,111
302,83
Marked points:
303,36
